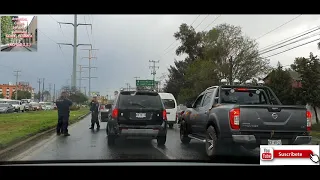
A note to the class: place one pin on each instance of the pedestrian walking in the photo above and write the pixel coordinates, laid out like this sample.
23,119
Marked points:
63,105
94,108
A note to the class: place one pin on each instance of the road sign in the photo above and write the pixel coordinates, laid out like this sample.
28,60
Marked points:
140,83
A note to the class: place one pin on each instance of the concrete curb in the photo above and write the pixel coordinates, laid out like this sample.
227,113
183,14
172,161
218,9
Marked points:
20,146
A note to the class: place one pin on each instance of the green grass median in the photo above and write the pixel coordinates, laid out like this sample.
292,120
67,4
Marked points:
316,131
18,126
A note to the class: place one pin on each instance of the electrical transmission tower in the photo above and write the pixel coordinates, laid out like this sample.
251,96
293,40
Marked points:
75,45
39,83
90,67
17,80
80,76
154,71
49,92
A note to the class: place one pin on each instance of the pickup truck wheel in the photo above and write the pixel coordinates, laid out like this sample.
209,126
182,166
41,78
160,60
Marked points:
184,133
211,142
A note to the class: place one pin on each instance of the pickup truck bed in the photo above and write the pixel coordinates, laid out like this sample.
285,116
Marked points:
245,116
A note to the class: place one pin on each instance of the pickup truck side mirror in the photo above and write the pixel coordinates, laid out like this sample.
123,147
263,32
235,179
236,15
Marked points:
189,105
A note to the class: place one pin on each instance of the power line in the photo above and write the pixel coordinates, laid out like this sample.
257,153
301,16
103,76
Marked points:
291,38
212,22
293,48
202,21
176,40
290,43
60,26
197,26
278,27
195,19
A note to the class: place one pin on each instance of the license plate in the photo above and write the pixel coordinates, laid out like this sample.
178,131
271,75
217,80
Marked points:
141,115
274,142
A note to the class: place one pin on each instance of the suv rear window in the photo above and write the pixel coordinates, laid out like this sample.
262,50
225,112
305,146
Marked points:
140,100
243,97
168,103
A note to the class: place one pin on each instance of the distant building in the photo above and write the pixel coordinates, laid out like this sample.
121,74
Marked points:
32,29
7,90
295,79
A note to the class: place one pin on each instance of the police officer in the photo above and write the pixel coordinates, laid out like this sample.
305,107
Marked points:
94,113
63,105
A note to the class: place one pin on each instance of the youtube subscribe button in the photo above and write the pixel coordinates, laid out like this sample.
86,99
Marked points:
282,154
286,154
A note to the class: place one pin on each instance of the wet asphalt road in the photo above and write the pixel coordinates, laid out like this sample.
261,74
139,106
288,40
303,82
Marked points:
83,144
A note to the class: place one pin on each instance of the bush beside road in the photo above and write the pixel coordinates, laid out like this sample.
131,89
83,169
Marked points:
315,133
19,126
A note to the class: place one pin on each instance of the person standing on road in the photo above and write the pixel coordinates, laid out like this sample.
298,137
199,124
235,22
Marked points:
94,108
63,105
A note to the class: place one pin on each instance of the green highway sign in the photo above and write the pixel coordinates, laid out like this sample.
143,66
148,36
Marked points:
140,83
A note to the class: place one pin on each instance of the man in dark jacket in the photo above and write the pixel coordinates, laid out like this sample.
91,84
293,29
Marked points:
63,105
94,108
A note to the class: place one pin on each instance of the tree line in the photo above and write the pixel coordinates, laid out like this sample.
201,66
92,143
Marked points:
224,52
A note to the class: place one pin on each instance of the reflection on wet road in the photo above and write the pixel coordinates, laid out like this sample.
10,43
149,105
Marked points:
83,144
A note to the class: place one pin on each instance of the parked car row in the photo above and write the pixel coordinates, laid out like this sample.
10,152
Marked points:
9,106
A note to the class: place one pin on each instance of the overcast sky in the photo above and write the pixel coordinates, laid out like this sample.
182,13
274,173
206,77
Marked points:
126,43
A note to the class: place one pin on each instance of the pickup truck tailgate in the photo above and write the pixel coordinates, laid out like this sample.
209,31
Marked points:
273,118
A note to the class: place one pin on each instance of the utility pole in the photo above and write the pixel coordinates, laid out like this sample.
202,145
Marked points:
85,90
50,91
17,79
230,71
90,67
39,82
54,92
80,76
75,25
153,70
128,86
42,89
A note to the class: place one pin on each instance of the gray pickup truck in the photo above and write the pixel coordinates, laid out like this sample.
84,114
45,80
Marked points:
248,116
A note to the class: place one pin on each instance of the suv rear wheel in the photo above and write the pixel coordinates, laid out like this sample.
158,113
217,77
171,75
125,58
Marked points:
170,126
161,140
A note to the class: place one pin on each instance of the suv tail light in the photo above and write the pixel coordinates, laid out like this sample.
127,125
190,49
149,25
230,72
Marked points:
115,113
164,115
101,107
234,118
309,120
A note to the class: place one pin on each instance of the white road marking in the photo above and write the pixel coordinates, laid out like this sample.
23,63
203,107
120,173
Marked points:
154,144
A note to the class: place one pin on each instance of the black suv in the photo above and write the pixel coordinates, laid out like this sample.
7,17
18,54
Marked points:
138,113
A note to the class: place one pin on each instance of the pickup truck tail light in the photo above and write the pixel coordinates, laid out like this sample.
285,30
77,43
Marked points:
309,120
115,113
164,115
234,118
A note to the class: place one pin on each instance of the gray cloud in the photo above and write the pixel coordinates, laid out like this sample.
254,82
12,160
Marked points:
127,42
